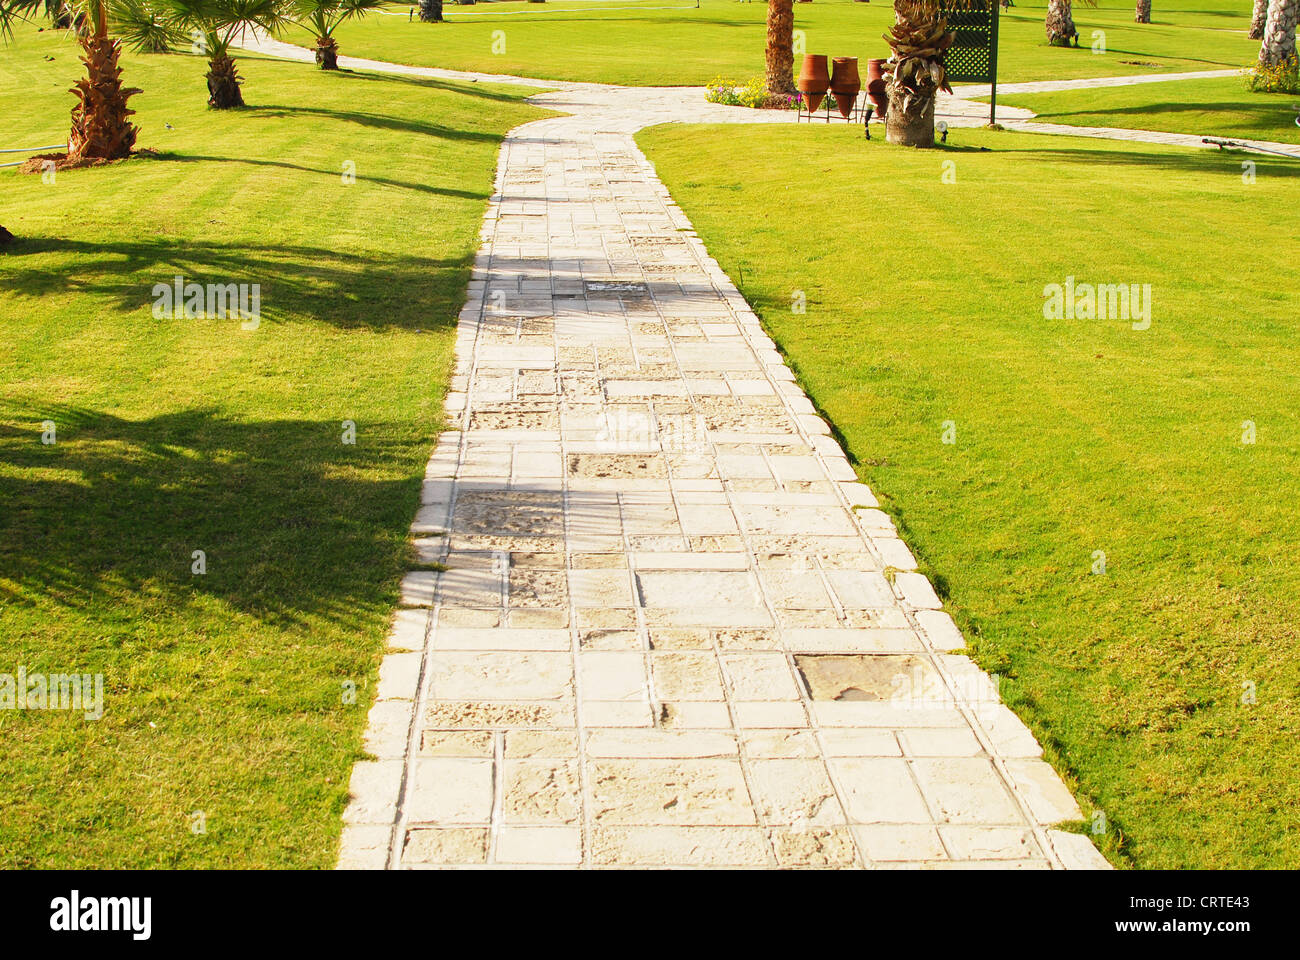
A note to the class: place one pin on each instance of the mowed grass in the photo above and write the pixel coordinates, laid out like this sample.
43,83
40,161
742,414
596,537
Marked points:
224,692
663,42
1217,107
925,308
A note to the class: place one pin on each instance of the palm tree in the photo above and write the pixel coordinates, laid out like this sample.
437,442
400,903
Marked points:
216,25
100,128
1060,22
1143,12
431,11
780,46
323,17
1257,20
915,72
1278,46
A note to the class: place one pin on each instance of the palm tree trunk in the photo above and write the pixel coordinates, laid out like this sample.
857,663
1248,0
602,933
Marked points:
1143,12
100,128
1060,24
915,73
223,83
780,46
327,53
1279,33
1258,19
431,11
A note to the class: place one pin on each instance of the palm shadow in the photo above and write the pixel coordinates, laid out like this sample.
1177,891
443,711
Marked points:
376,120
111,514
331,175
348,290
467,87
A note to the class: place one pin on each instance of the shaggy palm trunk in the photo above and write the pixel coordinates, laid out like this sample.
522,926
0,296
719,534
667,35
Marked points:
1258,19
100,128
327,53
1279,33
1143,12
1060,24
223,83
780,47
431,11
915,73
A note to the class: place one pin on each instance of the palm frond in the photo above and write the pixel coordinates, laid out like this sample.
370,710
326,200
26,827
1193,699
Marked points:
144,26
323,16
14,10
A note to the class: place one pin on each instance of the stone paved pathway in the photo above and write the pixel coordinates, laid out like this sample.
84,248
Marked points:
672,629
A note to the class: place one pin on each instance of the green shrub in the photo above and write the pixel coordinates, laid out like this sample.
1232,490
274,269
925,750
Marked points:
752,93
1281,77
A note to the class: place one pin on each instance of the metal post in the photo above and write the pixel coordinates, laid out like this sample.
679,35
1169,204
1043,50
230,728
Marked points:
993,63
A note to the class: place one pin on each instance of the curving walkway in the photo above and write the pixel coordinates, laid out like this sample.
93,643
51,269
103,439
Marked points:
672,628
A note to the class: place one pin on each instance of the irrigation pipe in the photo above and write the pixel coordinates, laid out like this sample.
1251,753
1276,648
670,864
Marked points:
1247,146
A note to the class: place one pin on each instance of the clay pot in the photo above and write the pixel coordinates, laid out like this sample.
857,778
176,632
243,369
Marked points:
814,80
845,83
876,86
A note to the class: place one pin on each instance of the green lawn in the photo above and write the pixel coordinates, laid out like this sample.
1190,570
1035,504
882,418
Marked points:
673,43
1222,107
223,691
925,305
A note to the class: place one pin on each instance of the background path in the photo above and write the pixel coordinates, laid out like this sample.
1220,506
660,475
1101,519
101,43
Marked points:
687,104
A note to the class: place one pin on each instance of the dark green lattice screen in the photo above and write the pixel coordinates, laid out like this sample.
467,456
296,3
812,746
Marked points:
973,57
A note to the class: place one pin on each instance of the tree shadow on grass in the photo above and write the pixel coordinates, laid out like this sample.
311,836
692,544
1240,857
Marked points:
1189,159
332,175
294,524
347,290
377,120
460,87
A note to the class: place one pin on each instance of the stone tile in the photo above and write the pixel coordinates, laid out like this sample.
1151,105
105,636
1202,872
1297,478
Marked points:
793,792
675,792
966,790
450,791
541,791
814,847
686,676
613,676
373,790
1076,851
759,676
684,846
1046,796
712,589
387,727
941,742
907,842
445,846
540,845
456,743
540,743
879,790
364,847
990,843
600,588
500,676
